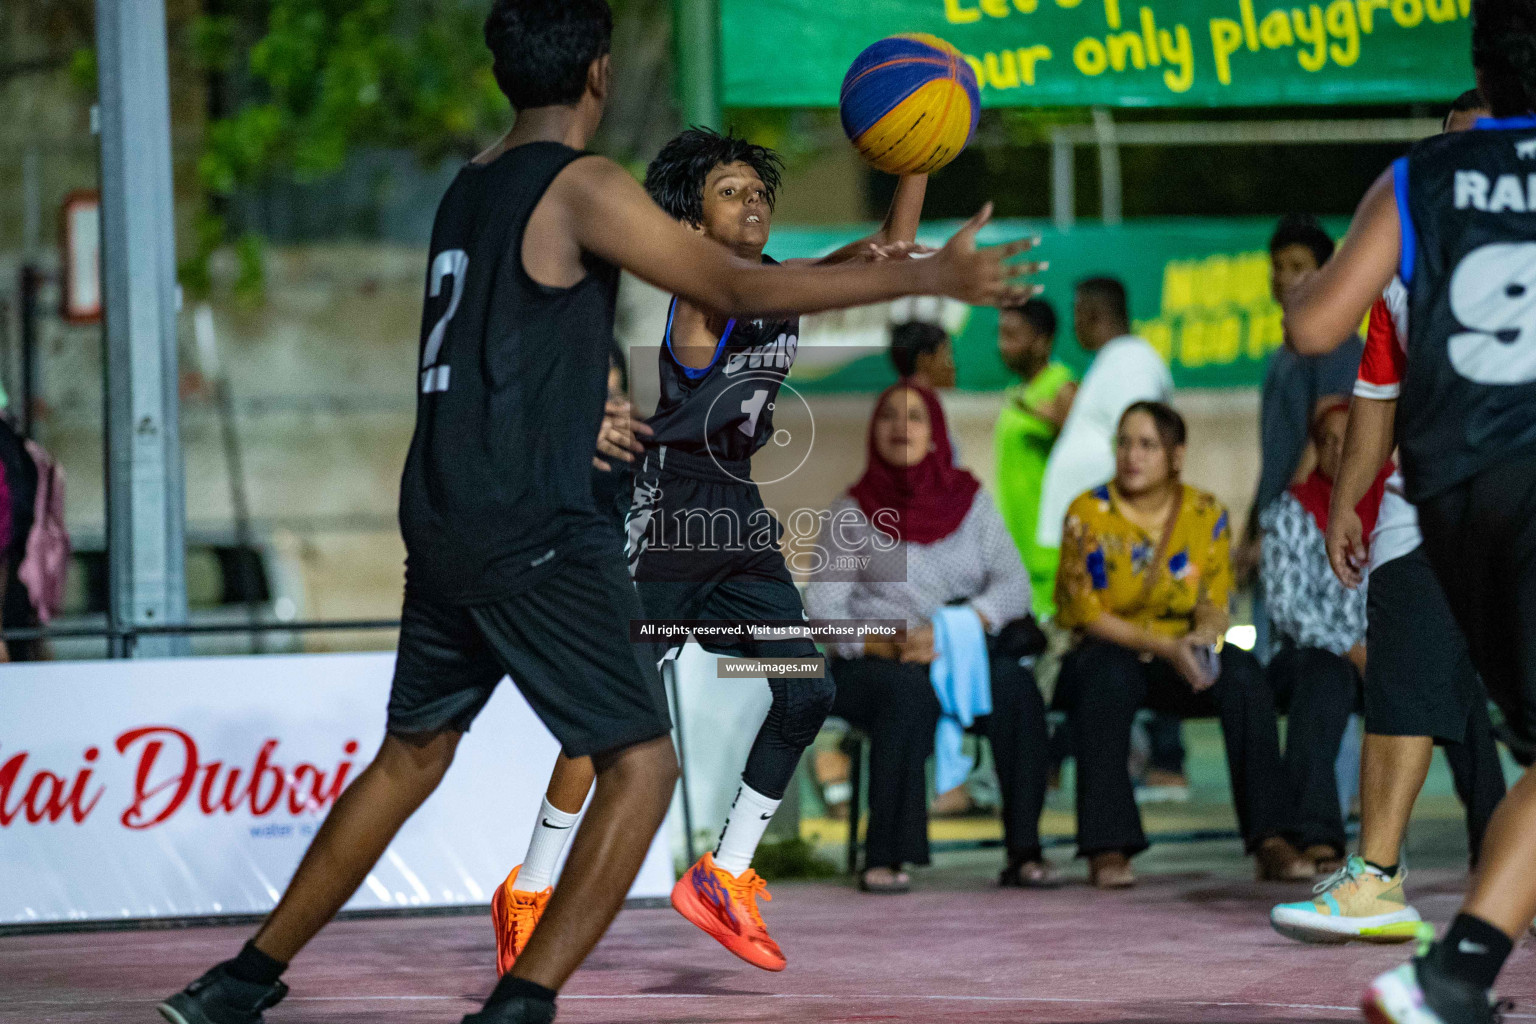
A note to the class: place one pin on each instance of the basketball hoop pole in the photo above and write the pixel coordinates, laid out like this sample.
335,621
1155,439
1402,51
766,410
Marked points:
146,504
696,61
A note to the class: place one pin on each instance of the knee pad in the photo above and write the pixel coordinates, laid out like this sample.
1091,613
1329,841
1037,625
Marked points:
799,708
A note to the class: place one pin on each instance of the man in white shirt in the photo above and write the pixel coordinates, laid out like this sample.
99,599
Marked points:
1125,369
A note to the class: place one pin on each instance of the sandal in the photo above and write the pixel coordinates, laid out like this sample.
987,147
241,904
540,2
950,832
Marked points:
1110,871
1030,874
891,880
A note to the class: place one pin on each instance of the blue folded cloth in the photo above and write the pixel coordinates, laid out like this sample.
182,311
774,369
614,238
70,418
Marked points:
962,681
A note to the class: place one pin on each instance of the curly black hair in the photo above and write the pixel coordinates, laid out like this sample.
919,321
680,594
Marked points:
675,179
1504,52
542,48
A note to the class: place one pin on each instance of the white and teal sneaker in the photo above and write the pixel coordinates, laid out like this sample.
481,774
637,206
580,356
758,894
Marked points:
1355,902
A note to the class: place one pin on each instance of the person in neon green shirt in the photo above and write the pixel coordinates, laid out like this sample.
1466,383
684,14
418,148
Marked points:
1032,414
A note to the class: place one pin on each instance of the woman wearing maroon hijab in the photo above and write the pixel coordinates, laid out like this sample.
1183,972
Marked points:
914,534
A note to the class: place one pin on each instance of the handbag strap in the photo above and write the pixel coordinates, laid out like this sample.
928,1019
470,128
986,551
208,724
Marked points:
1161,554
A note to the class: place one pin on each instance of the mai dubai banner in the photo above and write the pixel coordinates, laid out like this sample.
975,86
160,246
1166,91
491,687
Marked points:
1199,292
190,787
1160,53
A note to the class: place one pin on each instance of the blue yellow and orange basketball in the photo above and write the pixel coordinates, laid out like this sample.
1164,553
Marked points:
910,104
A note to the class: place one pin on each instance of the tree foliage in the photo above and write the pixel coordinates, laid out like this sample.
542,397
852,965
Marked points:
297,85
316,78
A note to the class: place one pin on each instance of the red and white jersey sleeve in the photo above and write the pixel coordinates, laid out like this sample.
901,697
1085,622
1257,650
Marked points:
1386,346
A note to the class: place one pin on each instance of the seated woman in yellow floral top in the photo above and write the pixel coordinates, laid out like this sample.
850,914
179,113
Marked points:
1144,581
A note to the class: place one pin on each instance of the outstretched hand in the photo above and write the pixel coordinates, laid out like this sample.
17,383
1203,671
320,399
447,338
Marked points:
985,276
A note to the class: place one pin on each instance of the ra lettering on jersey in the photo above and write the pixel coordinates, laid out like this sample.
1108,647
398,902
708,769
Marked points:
1506,193
1467,210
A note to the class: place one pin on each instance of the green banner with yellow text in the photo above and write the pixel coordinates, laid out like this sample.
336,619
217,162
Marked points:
1198,288
1123,53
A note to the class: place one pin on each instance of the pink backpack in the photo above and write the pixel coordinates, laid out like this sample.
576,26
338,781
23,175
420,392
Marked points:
46,562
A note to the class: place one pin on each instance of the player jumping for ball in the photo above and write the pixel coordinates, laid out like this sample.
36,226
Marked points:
692,526
1455,220
510,568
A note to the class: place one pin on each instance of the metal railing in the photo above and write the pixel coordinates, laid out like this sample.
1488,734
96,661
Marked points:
132,633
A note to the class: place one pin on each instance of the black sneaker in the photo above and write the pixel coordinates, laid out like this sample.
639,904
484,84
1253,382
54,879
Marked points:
1420,992
516,1010
218,997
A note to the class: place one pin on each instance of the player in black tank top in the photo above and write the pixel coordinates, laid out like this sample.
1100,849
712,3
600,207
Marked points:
510,570
1456,220
719,380
498,353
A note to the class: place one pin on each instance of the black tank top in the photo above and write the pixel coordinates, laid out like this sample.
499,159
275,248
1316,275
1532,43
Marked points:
1469,261
510,386
725,411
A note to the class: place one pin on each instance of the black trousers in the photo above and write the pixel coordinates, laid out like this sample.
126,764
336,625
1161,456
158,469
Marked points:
1318,690
1107,684
1477,774
894,703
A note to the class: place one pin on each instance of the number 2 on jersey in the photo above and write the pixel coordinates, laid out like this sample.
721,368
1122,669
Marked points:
449,263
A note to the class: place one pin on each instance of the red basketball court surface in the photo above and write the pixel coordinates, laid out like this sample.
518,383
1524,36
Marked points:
1190,944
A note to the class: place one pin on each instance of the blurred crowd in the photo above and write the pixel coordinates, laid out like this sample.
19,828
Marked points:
1081,609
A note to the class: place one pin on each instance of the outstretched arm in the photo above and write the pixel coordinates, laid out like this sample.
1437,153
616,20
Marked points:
901,222
1328,307
610,216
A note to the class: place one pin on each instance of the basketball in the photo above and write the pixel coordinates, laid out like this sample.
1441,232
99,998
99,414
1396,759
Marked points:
909,104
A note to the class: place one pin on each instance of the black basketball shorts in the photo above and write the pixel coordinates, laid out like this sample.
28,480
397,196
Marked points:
701,545
564,642
1419,679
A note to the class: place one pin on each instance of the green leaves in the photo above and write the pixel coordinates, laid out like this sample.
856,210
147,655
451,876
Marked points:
321,77
316,79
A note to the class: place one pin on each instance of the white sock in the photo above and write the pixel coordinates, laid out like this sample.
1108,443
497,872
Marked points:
744,828
550,832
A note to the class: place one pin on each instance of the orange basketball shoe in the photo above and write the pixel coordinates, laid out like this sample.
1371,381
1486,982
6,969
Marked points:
514,915
725,906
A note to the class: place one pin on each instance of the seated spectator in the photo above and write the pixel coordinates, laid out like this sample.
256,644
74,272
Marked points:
923,354
1319,630
1144,580
941,559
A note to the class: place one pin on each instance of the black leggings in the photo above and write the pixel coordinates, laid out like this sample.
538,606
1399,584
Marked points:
798,710
894,703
